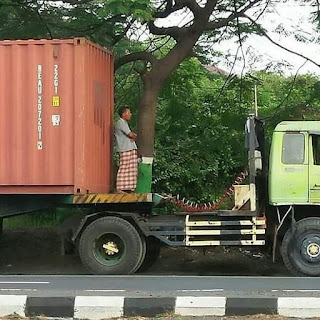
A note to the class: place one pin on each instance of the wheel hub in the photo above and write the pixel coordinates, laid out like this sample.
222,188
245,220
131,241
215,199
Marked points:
110,248
313,250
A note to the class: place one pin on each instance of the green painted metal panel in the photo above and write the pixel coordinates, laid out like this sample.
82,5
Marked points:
288,176
306,126
314,168
144,178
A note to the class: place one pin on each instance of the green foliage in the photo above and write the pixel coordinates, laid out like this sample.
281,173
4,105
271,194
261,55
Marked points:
33,20
292,98
138,9
199,134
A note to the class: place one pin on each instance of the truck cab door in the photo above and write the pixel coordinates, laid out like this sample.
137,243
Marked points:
314,168
289,168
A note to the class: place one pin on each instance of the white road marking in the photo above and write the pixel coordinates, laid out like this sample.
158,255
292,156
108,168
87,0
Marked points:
18,289
10,289
24,282
104,290
292,290
201,290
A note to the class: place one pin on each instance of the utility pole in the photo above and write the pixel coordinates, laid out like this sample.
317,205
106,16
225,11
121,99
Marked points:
256,82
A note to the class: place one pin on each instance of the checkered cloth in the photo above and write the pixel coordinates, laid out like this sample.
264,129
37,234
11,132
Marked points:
127,173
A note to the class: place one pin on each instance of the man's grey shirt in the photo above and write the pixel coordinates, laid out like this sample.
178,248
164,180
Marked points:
124,143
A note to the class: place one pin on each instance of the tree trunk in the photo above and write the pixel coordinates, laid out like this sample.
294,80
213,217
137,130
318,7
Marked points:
147,113
146,126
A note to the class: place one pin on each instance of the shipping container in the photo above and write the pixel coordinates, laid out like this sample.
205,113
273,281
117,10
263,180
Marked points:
56,105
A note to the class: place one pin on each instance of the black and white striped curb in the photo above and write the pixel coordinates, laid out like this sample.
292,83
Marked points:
102,307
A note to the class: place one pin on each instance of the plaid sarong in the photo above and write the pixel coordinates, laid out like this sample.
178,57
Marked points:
127,173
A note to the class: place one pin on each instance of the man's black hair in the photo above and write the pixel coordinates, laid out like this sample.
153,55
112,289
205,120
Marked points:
122,109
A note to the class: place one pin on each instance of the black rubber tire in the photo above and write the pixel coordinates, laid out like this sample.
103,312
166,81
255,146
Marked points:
291,252
120,227
152,254
143,253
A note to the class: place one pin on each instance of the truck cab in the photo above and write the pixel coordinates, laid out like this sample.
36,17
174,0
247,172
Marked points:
294,189
294,171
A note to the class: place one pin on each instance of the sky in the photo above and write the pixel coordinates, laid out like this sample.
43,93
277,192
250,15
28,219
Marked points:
259,52
295,18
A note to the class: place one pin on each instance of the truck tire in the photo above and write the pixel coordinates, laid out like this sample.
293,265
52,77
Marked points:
111,245
301,248
152,254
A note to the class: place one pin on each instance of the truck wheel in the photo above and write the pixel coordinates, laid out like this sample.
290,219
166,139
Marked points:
301,249
152,254
111,245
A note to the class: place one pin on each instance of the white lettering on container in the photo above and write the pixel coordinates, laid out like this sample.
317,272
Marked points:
39,108
56,78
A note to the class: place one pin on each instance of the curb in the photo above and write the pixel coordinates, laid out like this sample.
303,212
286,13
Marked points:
102,307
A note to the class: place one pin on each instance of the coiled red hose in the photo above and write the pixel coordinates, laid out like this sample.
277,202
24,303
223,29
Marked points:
190,206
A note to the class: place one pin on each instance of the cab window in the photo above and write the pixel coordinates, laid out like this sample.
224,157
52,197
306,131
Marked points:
293,148
316,149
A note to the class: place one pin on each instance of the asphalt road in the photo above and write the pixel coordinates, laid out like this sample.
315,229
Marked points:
159,286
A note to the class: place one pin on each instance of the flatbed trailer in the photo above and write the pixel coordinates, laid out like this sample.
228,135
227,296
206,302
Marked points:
127,224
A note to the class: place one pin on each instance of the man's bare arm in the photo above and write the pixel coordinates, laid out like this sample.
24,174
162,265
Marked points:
132,135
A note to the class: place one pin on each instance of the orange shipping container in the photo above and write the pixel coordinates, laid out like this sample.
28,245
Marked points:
56,107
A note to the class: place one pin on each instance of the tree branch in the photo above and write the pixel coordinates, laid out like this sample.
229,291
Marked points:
264,33
170,8
222,22
72,2
135,56
179,4
190,4
174,32
210,5
118,37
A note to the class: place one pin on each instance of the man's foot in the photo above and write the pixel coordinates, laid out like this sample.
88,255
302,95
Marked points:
121,191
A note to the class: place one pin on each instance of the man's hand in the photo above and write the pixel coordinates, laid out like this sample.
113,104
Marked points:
132,136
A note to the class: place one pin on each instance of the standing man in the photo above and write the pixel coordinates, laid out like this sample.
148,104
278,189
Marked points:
125,139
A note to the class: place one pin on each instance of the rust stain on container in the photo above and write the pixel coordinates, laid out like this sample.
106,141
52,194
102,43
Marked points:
56,104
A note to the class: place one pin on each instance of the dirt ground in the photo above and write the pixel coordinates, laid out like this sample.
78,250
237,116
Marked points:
37,251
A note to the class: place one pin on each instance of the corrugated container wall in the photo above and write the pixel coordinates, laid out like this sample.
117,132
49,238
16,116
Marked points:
56,117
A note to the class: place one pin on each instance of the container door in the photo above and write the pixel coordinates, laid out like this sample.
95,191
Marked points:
314,168
295,174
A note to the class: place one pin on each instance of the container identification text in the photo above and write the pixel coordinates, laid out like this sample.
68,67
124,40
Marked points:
39,108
